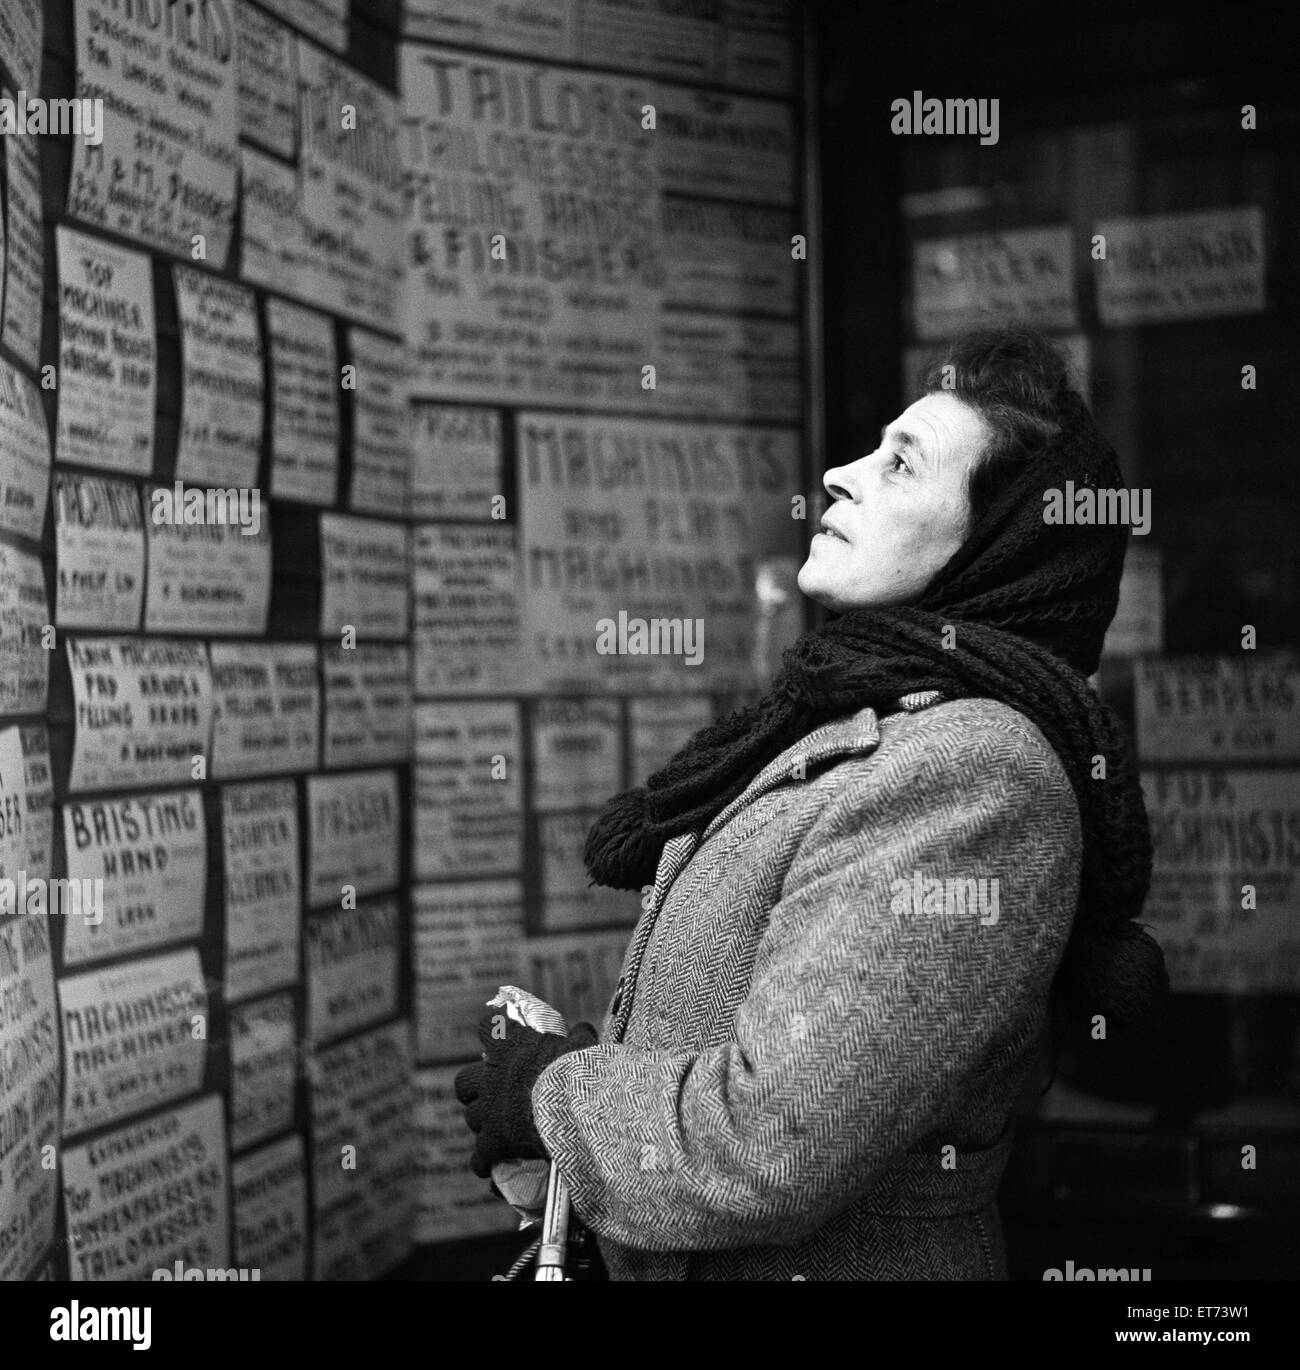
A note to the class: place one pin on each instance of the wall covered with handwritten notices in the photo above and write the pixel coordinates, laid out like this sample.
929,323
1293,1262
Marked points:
206,720
369,385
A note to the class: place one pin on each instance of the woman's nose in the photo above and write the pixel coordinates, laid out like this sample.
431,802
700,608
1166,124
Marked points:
836,482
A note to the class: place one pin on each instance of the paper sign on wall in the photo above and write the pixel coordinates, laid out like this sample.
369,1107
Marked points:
150,1194
142,710
107,354
263,1067
212,578
24,612
577,751
305,404
352,834
368,706
29,1093
129,1037
24,454
457,464
266,707
99,540
24,257
259,828
468,804
365,576
1217,708
270,1198
164,172
150,851
352,967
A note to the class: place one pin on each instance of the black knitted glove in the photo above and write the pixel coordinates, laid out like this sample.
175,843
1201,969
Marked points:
497,1091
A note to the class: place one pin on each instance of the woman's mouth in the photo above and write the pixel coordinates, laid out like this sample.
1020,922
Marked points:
833,533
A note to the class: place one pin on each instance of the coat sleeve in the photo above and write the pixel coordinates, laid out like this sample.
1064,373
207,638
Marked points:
864,1016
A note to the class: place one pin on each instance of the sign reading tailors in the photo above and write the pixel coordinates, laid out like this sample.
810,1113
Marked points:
142,710
1217,709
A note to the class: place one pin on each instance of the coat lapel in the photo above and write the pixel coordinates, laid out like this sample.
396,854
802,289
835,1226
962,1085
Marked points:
855,734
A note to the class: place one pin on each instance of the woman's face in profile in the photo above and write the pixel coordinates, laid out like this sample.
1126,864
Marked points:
900,512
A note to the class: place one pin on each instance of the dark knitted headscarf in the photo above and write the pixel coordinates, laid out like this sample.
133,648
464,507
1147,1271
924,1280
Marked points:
1030,603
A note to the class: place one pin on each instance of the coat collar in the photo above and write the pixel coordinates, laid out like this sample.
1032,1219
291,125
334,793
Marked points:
851,735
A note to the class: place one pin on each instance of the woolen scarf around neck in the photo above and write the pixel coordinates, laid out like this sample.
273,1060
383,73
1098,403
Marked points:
1029,603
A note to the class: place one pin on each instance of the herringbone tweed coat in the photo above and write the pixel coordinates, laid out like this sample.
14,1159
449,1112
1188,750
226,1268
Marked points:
803,1074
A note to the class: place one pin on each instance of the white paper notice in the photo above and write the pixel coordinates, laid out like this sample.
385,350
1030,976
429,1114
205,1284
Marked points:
352,967
381,426
1217,709
365,576
221,381
128,1037
458,462
1195,265
1225,877
577,751
29,1093
263,888
305,400
1025,275
266,708
352,834
368,707
468,942
150,851
107,356
24,257
150,1194
268,75
165,170
270,1198
468,610
24,454
361,1097
210,578
263,1067
468,790
143,710
22,32
24,610
99,537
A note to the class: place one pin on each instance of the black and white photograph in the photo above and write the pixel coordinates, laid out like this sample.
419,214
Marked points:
734,715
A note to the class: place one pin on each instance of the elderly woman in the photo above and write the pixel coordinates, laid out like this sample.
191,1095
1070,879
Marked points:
863,891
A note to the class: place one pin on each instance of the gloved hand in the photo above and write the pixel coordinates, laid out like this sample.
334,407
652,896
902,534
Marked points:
497,1091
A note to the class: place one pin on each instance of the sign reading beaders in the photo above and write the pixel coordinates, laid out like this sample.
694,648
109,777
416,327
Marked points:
107,358
207,577
29,1093
99,539
164,173
266,707
150,1194
143,710
134,1036
24,454
352,834
221,380
259,826
150,850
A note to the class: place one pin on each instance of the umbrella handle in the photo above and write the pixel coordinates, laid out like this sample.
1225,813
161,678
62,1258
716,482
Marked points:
555,1228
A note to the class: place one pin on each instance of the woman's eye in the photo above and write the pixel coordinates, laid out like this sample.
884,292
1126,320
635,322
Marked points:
896,461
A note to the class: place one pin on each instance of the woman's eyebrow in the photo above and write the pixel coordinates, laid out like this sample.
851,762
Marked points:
908,440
